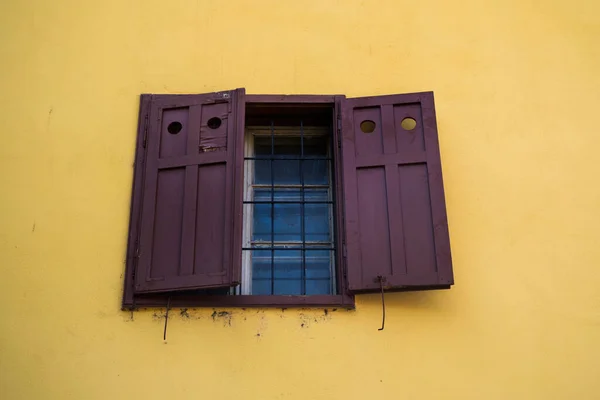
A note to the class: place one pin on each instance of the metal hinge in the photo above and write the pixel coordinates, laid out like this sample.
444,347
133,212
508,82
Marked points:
339,129
344,253
145,130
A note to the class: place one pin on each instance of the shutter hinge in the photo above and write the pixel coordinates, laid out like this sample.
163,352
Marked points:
145,131
339,129
136,260
344,263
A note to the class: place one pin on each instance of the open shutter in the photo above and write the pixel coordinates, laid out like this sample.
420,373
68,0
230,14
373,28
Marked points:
191,205
395,214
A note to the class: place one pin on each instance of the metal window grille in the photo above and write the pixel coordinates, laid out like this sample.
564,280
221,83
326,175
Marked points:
291,244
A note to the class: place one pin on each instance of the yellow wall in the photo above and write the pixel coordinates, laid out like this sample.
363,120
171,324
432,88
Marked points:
516,85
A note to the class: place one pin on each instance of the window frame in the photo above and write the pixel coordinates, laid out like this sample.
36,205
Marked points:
182,299
250,135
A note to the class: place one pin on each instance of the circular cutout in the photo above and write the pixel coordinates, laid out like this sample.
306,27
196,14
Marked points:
408,124
214,122
174,127
367,126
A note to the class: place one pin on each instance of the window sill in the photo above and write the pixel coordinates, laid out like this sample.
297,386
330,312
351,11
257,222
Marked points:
339,301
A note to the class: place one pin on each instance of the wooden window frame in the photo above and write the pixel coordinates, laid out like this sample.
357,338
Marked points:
342,300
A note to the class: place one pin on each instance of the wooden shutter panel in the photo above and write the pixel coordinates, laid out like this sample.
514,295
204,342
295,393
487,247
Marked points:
191,204
395,214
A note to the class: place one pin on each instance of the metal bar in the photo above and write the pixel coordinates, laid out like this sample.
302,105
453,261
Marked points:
288,158
308,245
288,248
285,242
167,318
381,280
331,210
302,210
329,202
293,279
288,186
272,210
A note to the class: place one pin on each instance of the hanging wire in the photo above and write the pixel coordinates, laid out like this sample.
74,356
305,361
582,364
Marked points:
380,278
167,318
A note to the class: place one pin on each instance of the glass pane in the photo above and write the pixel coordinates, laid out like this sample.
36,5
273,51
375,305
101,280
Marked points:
285,172
316,222
261,229
316,172
288,225
321,286
287,217
261,264
287,271
314,146
288,287
282,195
318,264
261,287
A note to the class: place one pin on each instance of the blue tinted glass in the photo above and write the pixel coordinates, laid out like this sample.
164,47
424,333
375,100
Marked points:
315,172
321,286
318,264
261,229
316,222
289,287
287,270
261,287
286,222
287,217
291,272
290,146
261,264
285,172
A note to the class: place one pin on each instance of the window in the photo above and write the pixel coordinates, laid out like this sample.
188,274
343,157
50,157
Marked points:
289,246
244,200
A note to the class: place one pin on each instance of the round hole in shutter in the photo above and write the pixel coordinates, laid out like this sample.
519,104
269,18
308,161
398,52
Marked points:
367,126
214,123
174,127
408,124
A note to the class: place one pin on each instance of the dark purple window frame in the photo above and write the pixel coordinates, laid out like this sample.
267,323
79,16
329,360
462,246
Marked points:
342,300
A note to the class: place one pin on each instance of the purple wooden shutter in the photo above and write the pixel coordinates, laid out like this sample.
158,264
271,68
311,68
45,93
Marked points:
191,207
395,214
